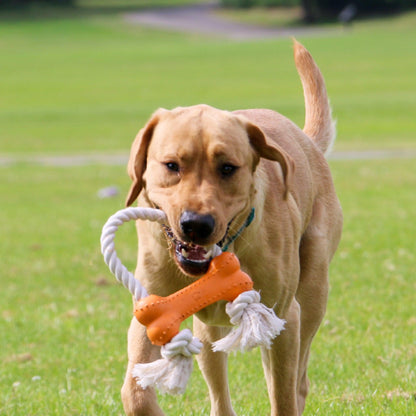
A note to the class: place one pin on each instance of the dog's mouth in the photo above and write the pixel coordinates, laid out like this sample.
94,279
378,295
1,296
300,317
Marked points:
193,259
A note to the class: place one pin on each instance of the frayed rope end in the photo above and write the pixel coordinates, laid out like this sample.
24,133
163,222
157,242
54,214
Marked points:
254,324
171,373
167,375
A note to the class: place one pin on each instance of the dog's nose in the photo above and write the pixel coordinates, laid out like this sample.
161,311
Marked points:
196,227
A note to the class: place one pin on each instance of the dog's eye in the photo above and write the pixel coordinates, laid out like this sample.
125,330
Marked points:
172,166
227,170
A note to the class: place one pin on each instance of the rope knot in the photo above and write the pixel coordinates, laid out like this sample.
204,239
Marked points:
254,324
235,310
171,373
182,344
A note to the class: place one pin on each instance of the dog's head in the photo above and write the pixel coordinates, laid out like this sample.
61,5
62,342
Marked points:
197,164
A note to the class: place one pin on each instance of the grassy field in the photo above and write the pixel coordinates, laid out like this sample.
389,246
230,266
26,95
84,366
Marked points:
86,84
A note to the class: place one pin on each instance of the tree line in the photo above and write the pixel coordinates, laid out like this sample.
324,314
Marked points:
315,10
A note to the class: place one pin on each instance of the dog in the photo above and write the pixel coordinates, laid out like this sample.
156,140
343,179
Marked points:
207,169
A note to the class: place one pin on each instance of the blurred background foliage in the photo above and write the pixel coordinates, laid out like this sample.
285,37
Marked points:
313,10
317,10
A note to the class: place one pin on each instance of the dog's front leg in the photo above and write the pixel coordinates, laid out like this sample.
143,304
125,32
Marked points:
280,365
136,401
214,368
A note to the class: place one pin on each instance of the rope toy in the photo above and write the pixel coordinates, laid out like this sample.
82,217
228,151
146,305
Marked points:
254,324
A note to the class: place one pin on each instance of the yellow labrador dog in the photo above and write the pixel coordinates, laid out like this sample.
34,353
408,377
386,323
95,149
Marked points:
207,169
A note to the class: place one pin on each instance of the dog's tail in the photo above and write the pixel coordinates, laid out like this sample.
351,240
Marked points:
319,125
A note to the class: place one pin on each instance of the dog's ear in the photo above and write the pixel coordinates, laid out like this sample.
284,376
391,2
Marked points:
138,155
271,152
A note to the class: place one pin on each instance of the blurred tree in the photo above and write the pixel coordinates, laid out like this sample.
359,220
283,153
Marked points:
24,3
346,9
315,10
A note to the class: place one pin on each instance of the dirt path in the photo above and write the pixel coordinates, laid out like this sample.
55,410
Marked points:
202,19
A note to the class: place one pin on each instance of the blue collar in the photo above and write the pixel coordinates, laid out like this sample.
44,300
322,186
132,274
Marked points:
248,221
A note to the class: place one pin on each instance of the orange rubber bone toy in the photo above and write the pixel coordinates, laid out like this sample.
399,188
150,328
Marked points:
254,323
162,316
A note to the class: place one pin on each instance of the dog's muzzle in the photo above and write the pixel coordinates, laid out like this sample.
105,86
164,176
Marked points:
193,259
194,255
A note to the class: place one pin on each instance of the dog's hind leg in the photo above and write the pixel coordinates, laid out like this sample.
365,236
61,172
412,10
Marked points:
280,366
317,247
312,296
213,366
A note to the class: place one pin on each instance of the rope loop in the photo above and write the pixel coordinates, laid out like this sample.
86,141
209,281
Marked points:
121,273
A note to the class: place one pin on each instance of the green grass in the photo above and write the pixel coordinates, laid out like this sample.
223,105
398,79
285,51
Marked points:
64,318
82,84
86,84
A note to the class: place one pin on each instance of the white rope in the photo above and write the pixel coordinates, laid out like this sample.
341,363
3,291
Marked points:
255,324
125,277
171,373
